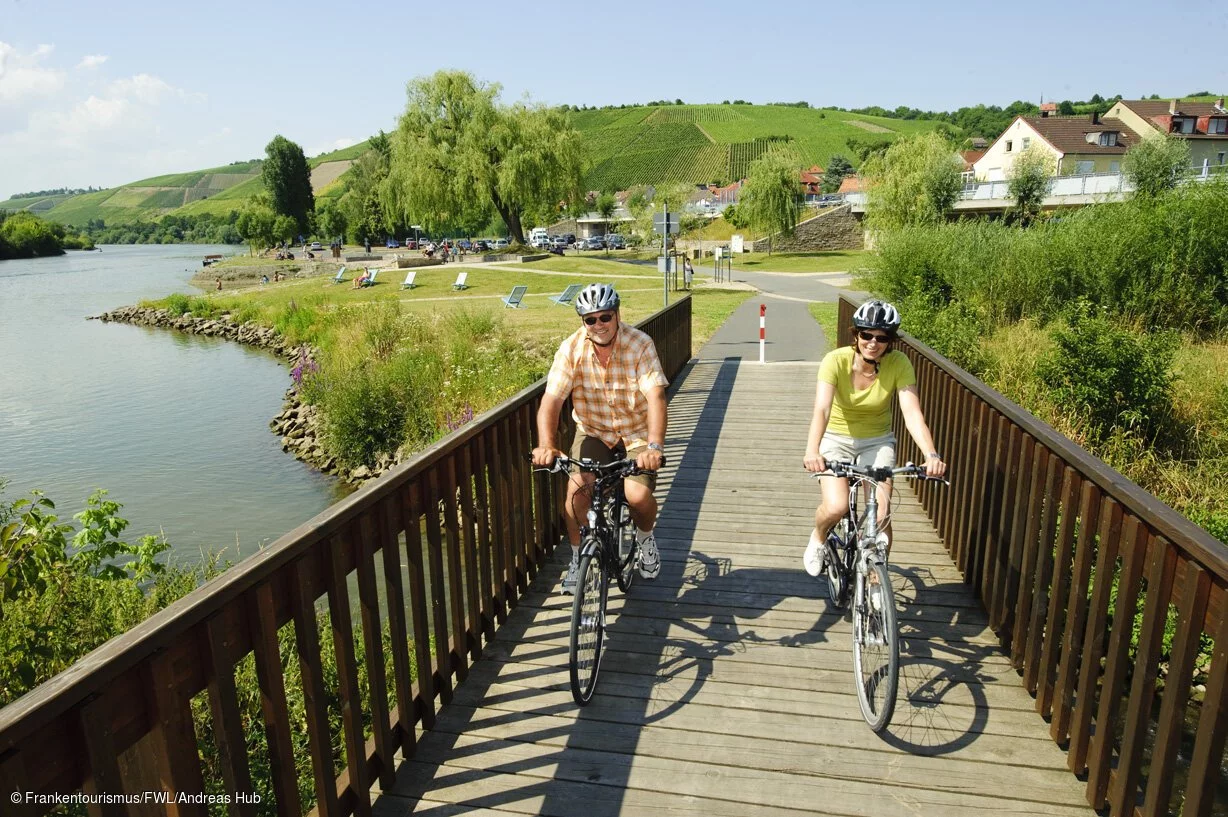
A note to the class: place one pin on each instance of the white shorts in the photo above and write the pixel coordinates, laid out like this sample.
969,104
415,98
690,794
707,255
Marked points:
878,452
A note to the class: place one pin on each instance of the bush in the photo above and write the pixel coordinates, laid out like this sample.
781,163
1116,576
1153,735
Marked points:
179,304
1115,376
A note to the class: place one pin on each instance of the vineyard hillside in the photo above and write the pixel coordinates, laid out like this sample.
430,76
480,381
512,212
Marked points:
717,143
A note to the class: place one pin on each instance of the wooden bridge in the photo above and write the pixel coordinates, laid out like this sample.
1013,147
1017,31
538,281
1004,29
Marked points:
1033,599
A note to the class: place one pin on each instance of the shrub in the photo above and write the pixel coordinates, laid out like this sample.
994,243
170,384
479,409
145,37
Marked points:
179,304
1115,376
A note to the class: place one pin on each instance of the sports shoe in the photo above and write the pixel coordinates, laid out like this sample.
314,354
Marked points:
815,556
650,557
573,576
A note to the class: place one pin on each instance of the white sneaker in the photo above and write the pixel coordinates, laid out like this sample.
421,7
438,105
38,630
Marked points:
814,558
573,576
650,557
876,598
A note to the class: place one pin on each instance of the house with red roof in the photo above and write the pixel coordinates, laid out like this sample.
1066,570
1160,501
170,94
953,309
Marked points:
1204,125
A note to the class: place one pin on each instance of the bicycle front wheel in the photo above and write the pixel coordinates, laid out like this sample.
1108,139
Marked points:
587,628
628,550
876,649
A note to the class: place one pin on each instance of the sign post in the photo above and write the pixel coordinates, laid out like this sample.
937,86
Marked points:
665,223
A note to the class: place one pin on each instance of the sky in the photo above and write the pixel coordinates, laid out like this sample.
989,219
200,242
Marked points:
102,94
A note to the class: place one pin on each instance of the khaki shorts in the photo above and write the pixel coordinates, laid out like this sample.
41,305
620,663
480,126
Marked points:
878,452
594,448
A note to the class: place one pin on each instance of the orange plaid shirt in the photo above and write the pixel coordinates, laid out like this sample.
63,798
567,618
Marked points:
608,401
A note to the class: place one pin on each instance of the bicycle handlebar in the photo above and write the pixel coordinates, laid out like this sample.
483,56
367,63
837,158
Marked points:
620,467
843,470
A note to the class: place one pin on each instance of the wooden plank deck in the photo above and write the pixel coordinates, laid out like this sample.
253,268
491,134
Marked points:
726,687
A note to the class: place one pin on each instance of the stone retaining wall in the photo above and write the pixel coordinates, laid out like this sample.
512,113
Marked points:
836,229
298,424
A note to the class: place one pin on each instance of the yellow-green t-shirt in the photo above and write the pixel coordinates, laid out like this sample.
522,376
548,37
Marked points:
865,413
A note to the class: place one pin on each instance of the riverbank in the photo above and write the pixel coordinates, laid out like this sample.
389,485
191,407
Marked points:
298,424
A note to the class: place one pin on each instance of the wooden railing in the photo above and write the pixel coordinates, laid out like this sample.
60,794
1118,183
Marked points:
1083,573
439,550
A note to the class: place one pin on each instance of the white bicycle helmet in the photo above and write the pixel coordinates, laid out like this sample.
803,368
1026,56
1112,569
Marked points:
875,314
596,298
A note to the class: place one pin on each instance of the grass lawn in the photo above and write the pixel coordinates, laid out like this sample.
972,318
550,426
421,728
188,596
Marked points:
827,315
539,319
595,265
833,261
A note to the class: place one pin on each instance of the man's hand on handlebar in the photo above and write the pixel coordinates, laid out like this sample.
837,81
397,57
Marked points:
544,457
814,463
648,460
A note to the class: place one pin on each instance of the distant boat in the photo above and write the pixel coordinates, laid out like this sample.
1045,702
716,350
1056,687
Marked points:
211,259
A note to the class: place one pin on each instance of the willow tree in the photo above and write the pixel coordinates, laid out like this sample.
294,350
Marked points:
769,199
915,182
457,153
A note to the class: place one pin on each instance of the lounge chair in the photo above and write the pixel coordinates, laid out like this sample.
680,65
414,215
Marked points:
340,276
370,282
459,283
566,296
513,300
409,279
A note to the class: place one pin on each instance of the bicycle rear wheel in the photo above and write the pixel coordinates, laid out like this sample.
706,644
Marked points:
876,649
628,549
587,628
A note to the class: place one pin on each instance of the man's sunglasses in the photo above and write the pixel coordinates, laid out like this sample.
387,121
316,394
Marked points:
868,336
592,319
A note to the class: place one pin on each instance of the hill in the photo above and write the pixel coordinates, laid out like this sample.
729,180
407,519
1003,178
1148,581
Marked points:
646,144
704,143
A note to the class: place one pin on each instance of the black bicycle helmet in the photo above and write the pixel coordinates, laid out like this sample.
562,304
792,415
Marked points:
875,314
596,298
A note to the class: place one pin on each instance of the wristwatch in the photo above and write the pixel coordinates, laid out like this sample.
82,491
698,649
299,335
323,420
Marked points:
656,447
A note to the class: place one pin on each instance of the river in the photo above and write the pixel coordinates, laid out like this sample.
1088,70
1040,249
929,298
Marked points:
174,426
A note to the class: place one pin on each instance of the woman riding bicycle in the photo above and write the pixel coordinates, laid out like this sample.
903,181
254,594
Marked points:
852,418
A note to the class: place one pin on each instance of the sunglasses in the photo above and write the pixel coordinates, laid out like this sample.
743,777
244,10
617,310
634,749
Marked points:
592,319
869,336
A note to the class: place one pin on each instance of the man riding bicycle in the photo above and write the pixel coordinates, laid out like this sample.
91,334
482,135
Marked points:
617,387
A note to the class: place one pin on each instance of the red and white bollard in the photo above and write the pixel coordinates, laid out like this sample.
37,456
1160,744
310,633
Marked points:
762,329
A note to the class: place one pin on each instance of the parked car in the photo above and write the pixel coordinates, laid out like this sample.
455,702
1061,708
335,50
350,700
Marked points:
500,244
411,244
480,246
316,245
830,200
392,244
594,242
570,238
542,243
560,241
614,241
465,244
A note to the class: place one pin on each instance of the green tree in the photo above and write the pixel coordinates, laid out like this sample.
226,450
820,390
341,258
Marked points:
916,181
330,219
284,228
838,169
769,199
363,203
1029,181
457,151
1156,164
287,179
255,222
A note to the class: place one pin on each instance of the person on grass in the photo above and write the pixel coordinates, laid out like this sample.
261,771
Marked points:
852,419
614,378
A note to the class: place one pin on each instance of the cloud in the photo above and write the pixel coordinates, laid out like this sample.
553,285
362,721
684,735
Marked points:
91,61
329,147
23,78
142,88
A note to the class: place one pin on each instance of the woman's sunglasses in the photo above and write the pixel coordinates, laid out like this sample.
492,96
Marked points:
869,336
592,319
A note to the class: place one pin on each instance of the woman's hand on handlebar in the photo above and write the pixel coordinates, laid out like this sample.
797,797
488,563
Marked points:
544,457
814,463
934,467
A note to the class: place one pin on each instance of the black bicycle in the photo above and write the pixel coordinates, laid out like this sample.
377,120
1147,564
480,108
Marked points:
608,547
856,566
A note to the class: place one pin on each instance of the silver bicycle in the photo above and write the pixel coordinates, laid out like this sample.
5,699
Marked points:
856,567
